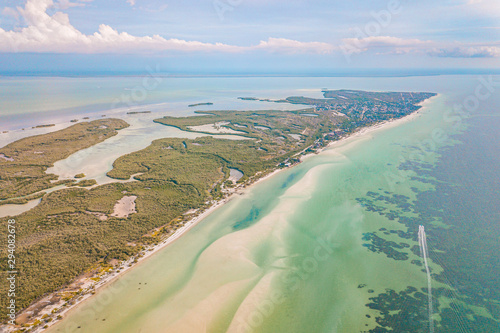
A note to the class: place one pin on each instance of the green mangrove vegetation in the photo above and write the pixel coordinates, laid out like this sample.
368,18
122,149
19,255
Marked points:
22,172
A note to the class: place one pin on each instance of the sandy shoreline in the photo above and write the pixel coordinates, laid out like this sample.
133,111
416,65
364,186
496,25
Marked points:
90,288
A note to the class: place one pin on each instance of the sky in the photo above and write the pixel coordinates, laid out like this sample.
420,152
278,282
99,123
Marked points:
248,36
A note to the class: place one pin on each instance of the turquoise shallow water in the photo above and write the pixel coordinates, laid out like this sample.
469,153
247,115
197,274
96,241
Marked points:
330,245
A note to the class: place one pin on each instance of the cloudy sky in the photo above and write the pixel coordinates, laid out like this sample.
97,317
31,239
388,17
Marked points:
261,36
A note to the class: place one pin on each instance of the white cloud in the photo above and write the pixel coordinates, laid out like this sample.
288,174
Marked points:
397,45
46,33
131,2
54,33
293,46
467,52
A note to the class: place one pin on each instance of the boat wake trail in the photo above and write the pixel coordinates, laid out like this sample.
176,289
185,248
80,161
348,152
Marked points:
422,242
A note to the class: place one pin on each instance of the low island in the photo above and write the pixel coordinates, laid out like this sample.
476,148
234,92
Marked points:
138,112
77,233
200,104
